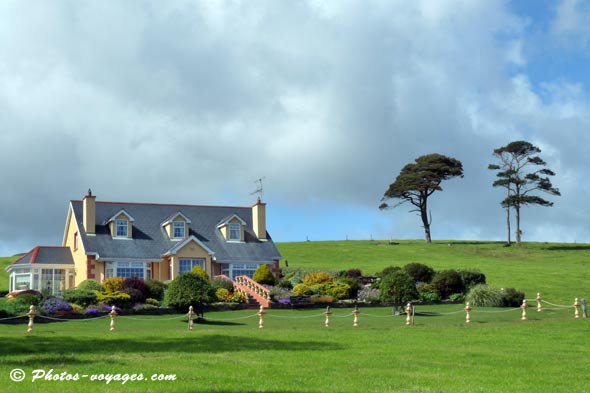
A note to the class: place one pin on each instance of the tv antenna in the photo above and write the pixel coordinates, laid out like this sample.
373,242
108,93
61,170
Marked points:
259,188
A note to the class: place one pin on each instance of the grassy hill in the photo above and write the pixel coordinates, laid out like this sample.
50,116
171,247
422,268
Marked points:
5,261
559,271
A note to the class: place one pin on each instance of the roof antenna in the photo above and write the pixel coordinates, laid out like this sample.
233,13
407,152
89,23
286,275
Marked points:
259,188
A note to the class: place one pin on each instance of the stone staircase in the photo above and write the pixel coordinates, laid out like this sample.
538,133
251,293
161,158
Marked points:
257,294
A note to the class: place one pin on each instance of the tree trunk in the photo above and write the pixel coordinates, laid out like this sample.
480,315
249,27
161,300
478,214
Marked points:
508,217
425,221
517,210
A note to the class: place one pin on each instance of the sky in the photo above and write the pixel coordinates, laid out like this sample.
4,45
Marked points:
191,102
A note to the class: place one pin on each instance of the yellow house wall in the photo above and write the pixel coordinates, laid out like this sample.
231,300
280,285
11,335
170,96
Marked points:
259,220
89,214
191,250
112,225
79,255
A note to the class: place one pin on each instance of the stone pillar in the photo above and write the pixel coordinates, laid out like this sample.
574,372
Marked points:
539,306
524,307
355,312
327,313
113,314
576,308
409,314
32,313
467,313
190,315
261,315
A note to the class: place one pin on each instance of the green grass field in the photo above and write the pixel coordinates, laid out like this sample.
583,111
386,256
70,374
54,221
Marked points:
5,261
497,352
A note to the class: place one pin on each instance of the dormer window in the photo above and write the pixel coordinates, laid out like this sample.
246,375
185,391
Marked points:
235,232
179,229
122,228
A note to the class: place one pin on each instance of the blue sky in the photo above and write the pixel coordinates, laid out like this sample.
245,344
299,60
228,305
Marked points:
192,101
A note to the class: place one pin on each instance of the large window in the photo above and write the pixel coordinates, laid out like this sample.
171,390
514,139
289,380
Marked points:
187,264
233,270
127,269
51,280
178,230
122,228
235,232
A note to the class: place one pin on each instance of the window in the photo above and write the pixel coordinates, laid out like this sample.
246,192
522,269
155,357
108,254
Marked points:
121,228
178,230
126,269
235,232
233,270
75,241
187,264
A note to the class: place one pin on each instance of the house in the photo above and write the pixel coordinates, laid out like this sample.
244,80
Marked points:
150,241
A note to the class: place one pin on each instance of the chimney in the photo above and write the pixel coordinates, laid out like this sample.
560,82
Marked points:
259,219
89,213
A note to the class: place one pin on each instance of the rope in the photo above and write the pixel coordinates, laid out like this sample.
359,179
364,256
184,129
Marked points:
230,319
377,316
6,319
451,313
71,320
306,317
495,312
342,316
150,319
557,305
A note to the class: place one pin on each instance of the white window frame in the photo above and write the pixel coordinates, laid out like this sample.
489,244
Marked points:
193,262
232,228
120,223
111,269
178,225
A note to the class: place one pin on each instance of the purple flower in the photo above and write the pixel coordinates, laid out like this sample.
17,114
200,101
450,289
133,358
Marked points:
284,301
54,305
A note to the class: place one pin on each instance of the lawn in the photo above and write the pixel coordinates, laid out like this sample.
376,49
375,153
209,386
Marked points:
294,352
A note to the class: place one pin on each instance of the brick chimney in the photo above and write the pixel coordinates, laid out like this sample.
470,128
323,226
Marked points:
89,213
259,219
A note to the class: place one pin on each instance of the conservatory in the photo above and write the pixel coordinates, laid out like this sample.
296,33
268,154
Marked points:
45,269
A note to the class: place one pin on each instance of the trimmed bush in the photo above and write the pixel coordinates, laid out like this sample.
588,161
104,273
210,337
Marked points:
217,283
316,278
239,297
354,273
201,272
398,287
116,298
112,284
222,295
512,298
263,275
322,299
353,284
428,293
152,301
472,278
136,288
155,289
482,295
285,284
89,285
388,270
81,297
338,290
188,289
447,282
301,290
419,272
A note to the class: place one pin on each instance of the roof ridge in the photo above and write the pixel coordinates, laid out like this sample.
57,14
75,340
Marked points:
165,204
35,253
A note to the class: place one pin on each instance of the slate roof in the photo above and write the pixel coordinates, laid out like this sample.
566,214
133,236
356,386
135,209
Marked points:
43,255
151,242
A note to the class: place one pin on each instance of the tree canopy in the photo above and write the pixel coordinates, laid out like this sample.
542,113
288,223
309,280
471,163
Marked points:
513,174
418,180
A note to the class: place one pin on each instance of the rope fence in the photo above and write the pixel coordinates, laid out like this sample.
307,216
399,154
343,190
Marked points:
410,313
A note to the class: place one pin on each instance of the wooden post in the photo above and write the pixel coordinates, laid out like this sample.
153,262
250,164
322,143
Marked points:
32,312
190,315
524,307
327,313
576,308
356,312
467,313
409,314
261,315
539,306
113,314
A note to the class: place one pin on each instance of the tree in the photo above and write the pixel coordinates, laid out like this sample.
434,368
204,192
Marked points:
188,289
516,158
263,275
419,180
398,287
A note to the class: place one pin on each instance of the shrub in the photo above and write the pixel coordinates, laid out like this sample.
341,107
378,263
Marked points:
285,284
54,305
81,297
301,290
13,307
152,301
354,286
429,297
222,295
115,298
512,298
457,297
201,272
263,275
388,270
112,284
315,278
92,312
482,295
447,282
322,299
354,273
239,297
89,285
137,288
368,295
217,283
337,289
472,278
144,307
419,272
155,289
188,289
30,297
398,287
